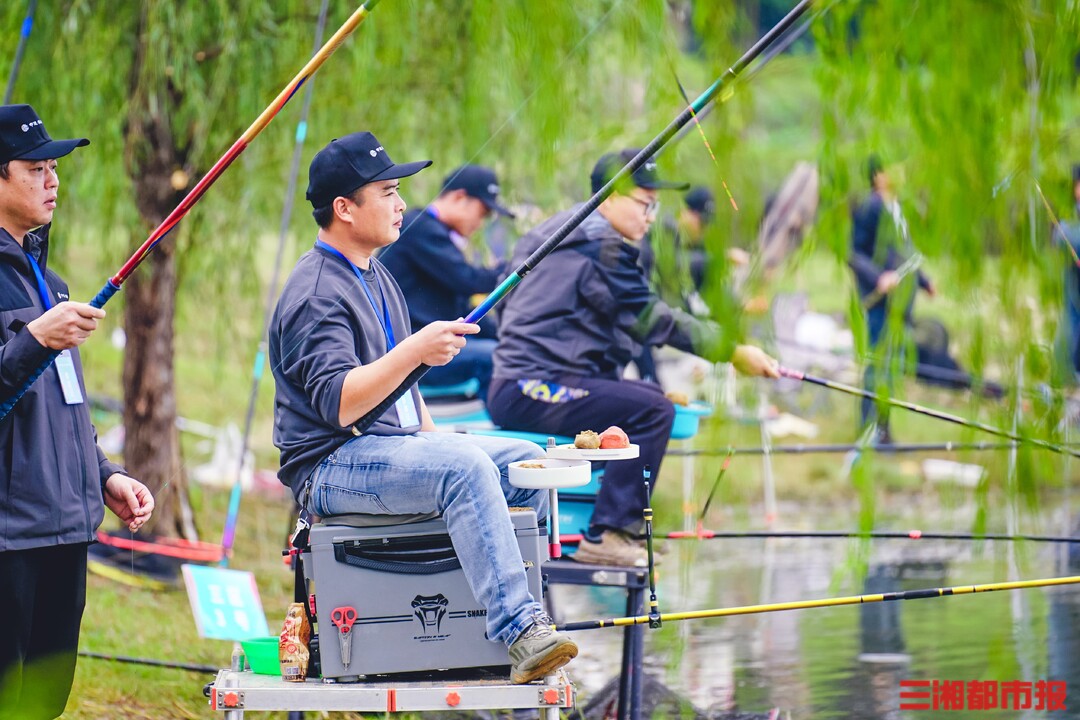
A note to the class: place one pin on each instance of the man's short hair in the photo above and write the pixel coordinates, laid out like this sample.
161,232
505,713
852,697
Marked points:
325,215
4,171
874,167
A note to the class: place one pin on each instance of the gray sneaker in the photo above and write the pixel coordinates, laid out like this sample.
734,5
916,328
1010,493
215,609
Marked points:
539,651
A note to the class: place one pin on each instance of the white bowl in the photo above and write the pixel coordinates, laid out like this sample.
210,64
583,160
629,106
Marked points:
554,474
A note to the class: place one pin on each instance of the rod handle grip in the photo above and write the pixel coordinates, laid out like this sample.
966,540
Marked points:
105,294
361,425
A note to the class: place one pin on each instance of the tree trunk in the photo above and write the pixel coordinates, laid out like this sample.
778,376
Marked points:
155,162
151,440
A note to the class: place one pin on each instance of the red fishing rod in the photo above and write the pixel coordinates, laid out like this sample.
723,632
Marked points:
113,285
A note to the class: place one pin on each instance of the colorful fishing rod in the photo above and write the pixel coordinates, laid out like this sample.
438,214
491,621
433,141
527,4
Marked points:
24,36
113,285
228,535
705,534
826,602
594,202
929,412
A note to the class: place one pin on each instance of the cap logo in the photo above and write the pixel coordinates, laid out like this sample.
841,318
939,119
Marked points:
375,152
650,166
493,189
26,126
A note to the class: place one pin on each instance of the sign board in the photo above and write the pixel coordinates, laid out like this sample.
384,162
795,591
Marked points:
225,603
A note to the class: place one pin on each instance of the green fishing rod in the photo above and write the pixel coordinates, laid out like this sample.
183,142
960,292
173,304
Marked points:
587,209
823,603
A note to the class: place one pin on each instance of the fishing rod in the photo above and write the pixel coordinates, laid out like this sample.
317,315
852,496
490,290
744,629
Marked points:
112,286
647,512
192,667
840,448
781,45
24,37
922,410
705,534
912,264
228,535
932,374
594,202
826,602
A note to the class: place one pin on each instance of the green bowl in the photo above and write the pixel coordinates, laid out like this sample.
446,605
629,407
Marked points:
262,655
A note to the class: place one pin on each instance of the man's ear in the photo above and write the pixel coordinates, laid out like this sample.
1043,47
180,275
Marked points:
341,209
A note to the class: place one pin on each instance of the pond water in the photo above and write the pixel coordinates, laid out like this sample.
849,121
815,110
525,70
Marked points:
849,661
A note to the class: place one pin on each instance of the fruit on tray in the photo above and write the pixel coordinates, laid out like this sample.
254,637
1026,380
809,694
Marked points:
587,440
614,439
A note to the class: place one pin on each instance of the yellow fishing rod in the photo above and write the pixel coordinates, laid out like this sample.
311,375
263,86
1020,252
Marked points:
826,602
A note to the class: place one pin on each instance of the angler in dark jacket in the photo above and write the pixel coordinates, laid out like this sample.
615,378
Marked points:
428,261
1067,234
54,479
568,331
880,248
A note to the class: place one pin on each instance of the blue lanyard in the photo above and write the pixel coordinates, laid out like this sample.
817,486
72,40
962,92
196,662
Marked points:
42,288
388,328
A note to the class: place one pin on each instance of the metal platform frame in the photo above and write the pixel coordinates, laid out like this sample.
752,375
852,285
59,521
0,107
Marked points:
635,581
236,691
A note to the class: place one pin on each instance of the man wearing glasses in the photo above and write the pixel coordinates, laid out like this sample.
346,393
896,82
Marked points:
572,325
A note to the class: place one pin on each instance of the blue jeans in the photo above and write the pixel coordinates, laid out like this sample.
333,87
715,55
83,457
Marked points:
464,478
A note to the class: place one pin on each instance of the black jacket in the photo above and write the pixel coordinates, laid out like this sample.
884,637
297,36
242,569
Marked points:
51,468
873,251
434,275
586,309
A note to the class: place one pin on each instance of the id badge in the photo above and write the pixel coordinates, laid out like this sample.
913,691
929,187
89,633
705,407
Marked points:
69,381
406,410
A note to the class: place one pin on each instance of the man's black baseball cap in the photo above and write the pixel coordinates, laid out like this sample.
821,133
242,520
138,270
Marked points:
479,182
23,136
350,162
644,177
702,201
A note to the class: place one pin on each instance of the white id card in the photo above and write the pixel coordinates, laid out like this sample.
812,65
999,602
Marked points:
69,381
406,410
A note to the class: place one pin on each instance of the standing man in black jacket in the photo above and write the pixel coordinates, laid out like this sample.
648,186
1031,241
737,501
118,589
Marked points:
880,247
571,327
54,479
429,263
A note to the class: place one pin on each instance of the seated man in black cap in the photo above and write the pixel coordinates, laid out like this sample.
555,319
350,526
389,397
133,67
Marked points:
429,263
340,343
570,328
1068,341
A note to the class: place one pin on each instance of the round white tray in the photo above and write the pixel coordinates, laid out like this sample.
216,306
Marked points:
555,473
569,452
